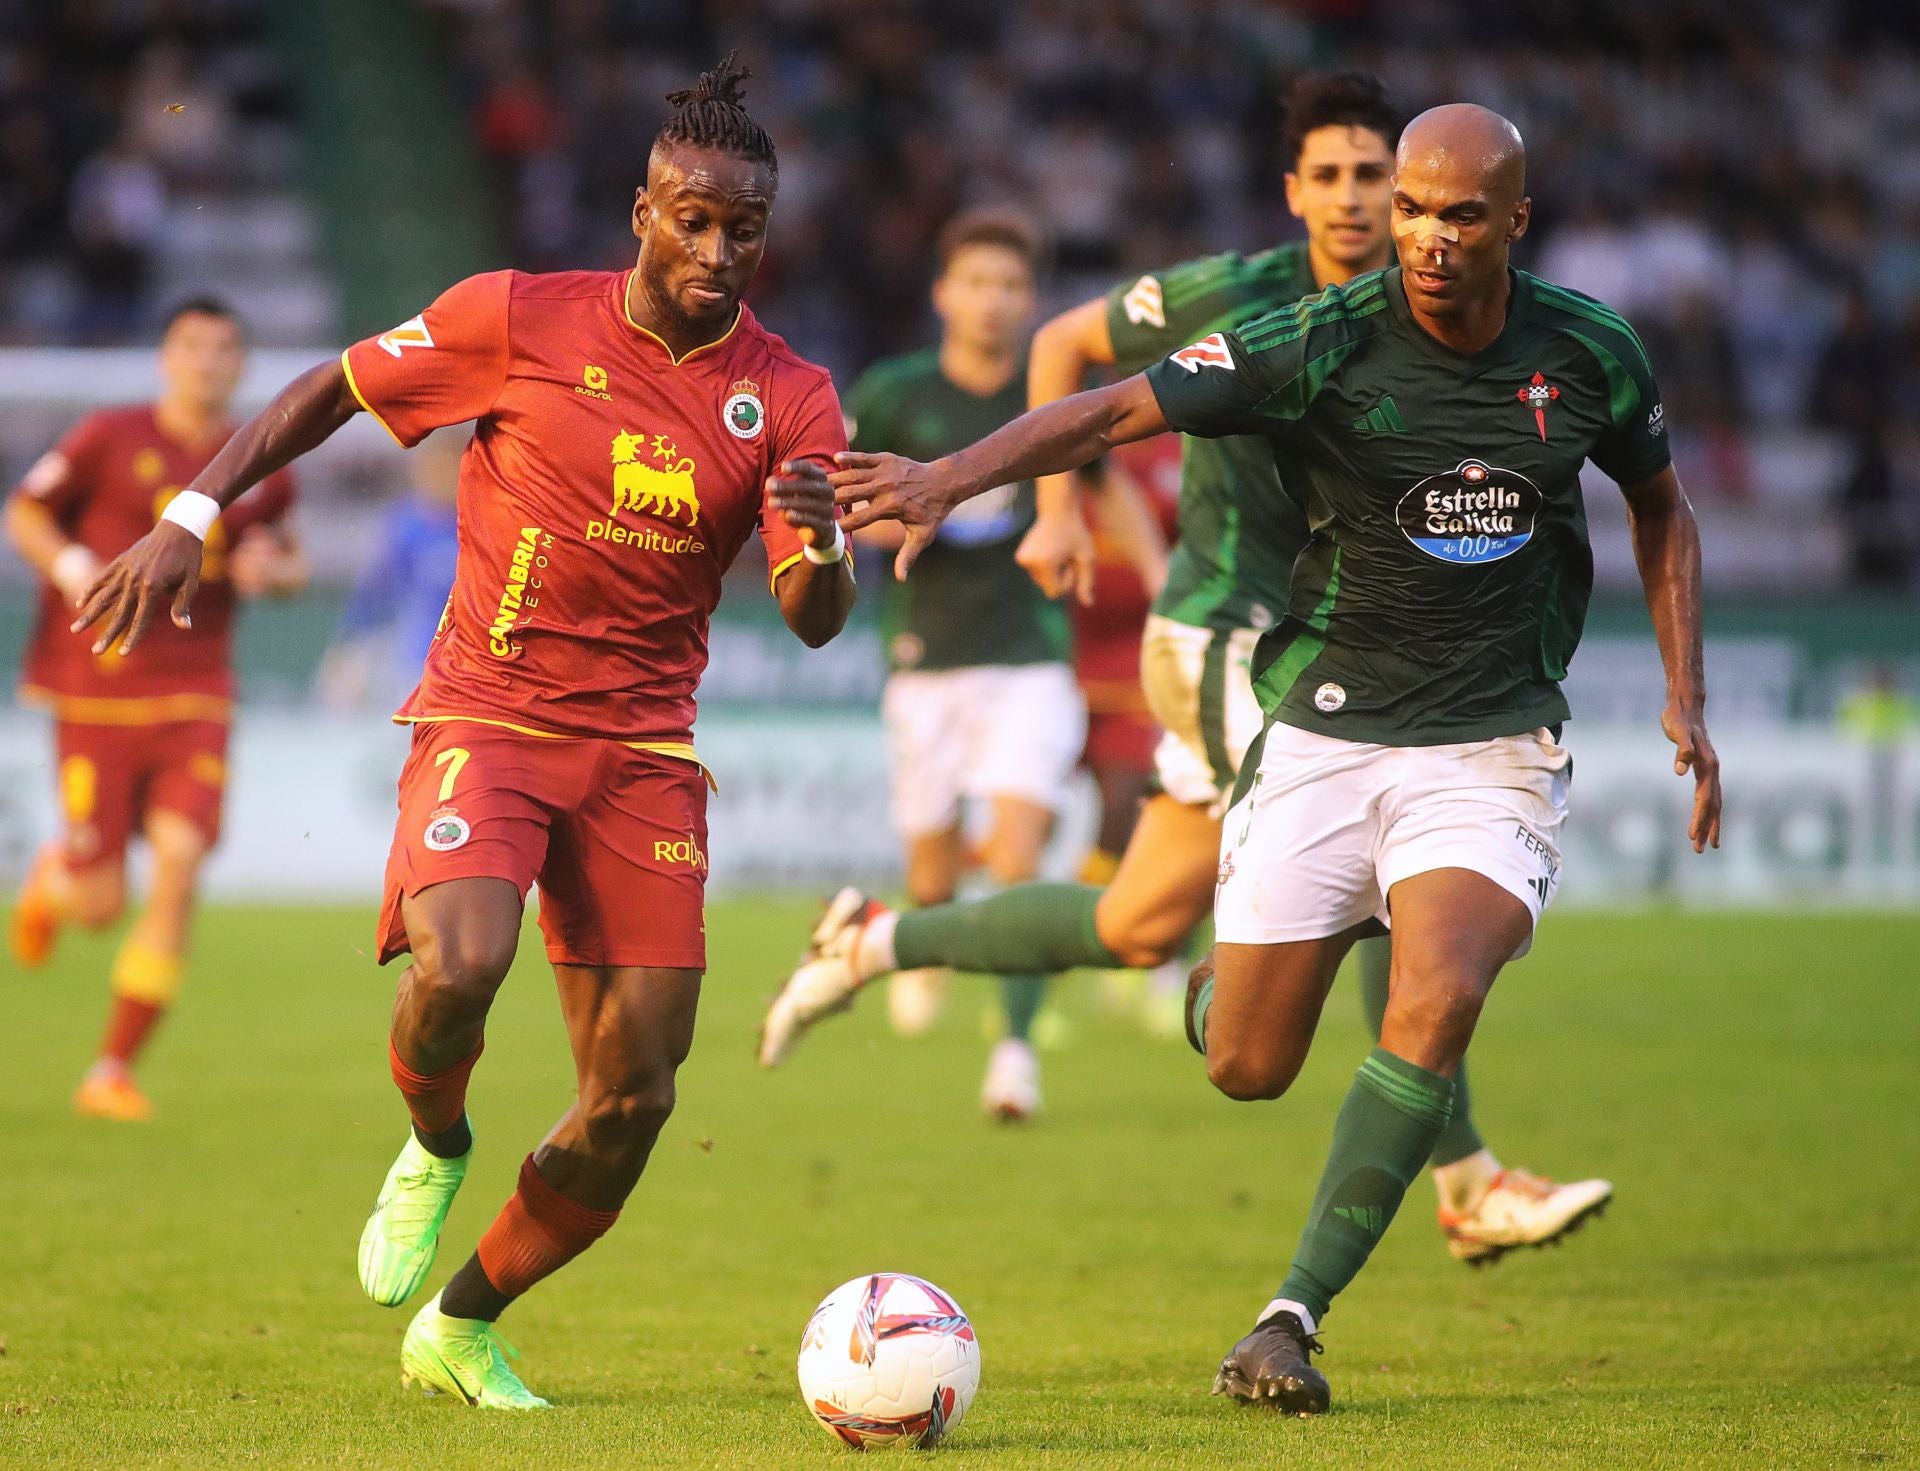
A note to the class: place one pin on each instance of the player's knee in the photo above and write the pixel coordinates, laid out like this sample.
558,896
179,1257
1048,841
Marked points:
626,1115
94,906
1138,941
1249,1075
458,971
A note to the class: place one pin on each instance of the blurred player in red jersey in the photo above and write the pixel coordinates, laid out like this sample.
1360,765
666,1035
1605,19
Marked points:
1121,733
142,740
634,428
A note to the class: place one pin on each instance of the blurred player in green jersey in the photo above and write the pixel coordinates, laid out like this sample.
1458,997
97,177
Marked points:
981,704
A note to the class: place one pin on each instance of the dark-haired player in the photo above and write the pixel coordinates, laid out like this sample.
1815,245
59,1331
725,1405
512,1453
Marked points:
141,740
1227,583
981,705
1409,770
634,428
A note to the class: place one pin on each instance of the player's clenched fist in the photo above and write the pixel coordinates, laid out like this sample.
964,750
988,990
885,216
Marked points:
800,493
164,564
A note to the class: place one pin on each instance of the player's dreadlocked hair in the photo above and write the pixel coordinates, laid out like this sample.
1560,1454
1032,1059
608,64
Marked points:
1335,100
709,114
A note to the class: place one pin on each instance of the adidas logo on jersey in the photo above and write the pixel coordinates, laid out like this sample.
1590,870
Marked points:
1144,304
1382,418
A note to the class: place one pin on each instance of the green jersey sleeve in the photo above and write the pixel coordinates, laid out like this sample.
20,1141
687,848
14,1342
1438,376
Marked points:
869,411
1262,376
1163,311
1634,447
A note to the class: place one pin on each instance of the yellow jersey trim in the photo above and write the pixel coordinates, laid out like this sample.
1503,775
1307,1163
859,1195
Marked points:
680,750
360,398
773,578
626,311
127,709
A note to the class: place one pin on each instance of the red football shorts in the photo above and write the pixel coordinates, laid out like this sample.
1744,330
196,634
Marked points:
616,838
113,776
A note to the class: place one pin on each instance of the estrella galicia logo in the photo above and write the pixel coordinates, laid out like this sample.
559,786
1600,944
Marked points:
1474,513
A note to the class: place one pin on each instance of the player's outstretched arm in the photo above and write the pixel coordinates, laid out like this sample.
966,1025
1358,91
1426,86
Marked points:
1666,544
1057,551
816,593
1044,441
164,565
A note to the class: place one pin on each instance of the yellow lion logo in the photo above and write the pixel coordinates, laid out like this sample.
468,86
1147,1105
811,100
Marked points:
650,489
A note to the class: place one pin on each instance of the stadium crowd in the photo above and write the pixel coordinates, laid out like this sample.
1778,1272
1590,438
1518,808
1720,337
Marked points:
1742,180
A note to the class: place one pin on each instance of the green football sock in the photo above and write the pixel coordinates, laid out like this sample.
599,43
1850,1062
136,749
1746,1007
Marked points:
1020,998
1385,1131
1028,930
1460,1138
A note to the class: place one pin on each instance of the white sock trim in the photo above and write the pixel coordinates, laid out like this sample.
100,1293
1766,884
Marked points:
1288,1305
873,951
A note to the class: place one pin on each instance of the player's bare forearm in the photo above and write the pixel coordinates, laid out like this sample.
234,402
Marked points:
817,600
1063,351
815,597
163,567
35,535
1666,546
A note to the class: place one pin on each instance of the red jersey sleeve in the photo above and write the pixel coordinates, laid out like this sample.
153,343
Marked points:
811,428
445,366
61,478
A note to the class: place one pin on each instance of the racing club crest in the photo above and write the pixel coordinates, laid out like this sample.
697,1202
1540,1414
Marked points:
743,413
446,830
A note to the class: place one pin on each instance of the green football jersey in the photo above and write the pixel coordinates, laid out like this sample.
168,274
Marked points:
1233,562
968,602
1446,580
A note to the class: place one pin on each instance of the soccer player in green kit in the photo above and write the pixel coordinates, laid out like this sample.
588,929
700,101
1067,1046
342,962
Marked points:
1227,583
1432,420
980,703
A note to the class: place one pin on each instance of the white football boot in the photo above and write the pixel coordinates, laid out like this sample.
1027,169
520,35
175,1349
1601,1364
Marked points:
825,981
1521,1209
1011,1091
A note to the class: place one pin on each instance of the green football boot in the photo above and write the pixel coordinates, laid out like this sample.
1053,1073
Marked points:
403,1233
465,1357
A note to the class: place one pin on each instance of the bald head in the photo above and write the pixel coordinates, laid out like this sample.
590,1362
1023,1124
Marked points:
1459,201
1466,140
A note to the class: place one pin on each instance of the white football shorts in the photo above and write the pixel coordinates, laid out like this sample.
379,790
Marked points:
993,730
1325,828
1199,688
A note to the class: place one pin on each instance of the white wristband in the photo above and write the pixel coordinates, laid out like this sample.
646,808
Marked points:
194,511
832,554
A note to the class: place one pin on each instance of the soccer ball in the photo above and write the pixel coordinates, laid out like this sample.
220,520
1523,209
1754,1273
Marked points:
888,1360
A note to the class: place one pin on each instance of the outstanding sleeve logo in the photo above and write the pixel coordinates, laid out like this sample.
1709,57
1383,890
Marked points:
1146,307
1210,351
1472,514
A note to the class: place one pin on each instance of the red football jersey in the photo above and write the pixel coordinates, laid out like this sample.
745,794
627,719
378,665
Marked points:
607,488
106,483
1106,636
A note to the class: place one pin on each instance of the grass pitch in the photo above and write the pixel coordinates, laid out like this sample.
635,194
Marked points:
183,1293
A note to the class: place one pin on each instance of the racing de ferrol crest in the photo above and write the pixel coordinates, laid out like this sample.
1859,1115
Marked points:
743,413
1537,394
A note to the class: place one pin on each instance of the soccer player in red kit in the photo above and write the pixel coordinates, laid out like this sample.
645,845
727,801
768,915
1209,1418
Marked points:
633,428
141,740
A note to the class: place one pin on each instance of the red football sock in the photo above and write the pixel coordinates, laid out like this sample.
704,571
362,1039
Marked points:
437,1102
537,1232
128,1024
